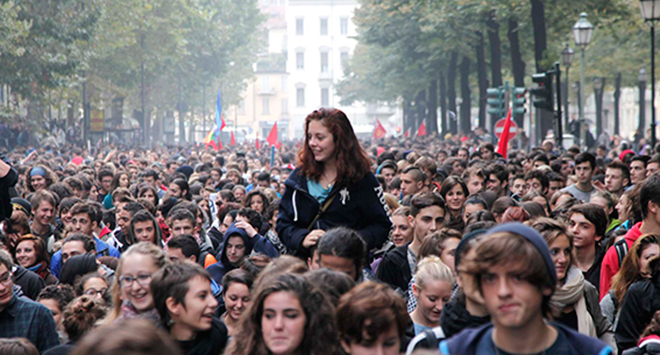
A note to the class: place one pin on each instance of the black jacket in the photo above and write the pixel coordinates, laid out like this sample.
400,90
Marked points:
31,283
640,303
360,206
7,184
212,341
394,268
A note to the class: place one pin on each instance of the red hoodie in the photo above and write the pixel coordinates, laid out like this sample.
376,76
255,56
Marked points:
611,265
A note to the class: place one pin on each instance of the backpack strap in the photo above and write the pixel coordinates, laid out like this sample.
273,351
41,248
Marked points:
323,208
621,248
431,340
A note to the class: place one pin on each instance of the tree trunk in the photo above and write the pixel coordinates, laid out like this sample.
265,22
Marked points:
443,103
181,110
483,80
420,108
540,35
598,96
517,63
451,92
617,96
407,115
193,126
545,120
465,121
432,114
495,50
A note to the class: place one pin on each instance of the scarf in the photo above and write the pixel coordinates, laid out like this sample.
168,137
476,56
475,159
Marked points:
571,293
40,269
128,311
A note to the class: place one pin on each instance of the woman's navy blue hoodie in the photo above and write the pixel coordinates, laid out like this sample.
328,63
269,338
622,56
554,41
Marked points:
360,206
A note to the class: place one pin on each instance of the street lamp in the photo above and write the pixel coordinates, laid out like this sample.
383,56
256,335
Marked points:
567,59
582,31
642,78
651,12
599,85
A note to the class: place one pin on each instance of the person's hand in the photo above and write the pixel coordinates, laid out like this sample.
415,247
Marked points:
13,239
251,232
312,238
599,185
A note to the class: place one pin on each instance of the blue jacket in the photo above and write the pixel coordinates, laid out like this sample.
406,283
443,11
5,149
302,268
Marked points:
465,342
102,249
360,206
256,243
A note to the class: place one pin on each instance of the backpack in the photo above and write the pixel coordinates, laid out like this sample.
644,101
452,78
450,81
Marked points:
621,248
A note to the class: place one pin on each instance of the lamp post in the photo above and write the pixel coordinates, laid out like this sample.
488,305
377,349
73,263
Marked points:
651,12
599,86
642,78
582,31
567,59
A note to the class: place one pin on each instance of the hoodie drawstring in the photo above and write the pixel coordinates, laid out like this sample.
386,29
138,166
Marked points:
295,210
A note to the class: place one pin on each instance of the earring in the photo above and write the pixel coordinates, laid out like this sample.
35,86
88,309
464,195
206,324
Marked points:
170,323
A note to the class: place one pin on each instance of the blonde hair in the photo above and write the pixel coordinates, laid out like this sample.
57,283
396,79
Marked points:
430,269
145,248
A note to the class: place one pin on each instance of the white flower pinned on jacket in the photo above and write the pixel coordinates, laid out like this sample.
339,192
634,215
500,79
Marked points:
345,195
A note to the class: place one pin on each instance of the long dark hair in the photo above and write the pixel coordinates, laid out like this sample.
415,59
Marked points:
320,334
352,161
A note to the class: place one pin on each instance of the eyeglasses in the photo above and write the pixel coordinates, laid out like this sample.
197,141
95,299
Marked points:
143,280
93,292
6,279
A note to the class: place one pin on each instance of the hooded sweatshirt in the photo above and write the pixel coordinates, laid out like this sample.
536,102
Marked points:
258,243
610,265
360,206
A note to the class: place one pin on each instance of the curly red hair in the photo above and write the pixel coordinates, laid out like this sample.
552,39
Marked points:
352,161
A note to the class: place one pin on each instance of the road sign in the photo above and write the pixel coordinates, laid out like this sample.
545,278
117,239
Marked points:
499,127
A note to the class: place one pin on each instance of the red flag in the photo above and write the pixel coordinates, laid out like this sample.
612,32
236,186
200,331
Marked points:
407,134
232,142
272,136
278,145
219,143
503,144
379,130
257,143
222,119
421,132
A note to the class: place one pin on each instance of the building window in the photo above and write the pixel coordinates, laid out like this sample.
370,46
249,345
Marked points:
300,97
300,60
325,97
284,82
324,27
285,106
343,59
299,27
265,85
343,25
265,106
324,62
241,107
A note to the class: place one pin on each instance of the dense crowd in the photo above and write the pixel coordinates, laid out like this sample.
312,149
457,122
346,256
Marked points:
332,246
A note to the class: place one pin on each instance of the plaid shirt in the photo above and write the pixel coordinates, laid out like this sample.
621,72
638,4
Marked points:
27,319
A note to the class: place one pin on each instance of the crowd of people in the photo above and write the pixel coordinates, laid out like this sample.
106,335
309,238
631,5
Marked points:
335,246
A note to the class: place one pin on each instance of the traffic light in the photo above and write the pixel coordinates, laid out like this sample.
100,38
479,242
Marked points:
496,101
543,92
519,101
